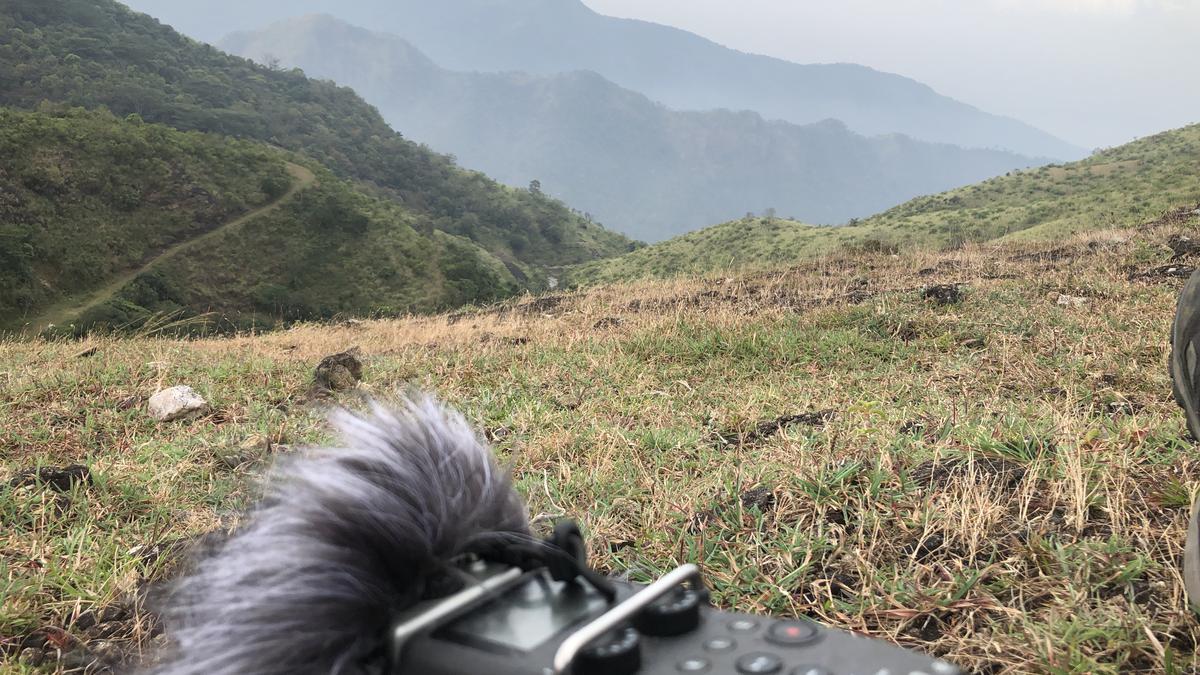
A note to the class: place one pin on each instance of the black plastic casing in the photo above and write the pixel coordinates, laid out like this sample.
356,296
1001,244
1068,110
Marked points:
433,651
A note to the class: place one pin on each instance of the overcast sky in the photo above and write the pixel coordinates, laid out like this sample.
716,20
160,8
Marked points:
1094,72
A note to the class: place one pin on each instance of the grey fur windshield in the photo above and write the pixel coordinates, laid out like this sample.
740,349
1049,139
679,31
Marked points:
343,540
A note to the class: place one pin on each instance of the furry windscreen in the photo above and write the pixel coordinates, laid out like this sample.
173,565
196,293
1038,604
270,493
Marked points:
343,540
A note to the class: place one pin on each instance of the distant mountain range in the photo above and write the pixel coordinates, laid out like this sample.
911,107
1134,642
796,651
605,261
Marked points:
634,165
671,66
1120,187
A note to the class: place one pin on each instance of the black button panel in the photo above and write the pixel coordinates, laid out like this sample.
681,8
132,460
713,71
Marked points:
759,663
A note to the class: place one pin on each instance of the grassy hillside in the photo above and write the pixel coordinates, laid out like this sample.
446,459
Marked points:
1118,187
329,251
85,196
109,221
1003,481
751,242
93,53
635,165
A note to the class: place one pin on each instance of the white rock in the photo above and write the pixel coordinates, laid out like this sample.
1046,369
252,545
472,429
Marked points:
1071,301
177,403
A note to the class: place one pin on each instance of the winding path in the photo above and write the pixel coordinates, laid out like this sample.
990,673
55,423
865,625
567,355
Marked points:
63,312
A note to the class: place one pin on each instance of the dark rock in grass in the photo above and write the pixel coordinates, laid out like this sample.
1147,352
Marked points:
943,294
85,620
941,472
114,613
607,322
766,429
339,372
542,305
59,480
1182,246
761,498
32,657
922,550
130,402
82,660
1163,272
1053,255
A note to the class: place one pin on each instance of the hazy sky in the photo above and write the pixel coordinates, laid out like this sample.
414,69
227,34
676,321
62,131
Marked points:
1094,72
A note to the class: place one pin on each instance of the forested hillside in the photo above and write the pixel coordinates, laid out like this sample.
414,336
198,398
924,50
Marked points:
84,196
87,199
94,53
637,166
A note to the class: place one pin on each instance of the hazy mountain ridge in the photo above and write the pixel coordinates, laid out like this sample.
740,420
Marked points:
1120,187
636,165
672,66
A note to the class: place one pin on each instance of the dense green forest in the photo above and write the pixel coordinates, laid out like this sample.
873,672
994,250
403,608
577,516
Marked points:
1123,186
92,53
86,197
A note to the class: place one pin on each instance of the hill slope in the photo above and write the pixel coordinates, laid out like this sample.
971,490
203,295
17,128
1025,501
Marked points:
1122,186
677,68
98,53
109,221
638,167
1004,481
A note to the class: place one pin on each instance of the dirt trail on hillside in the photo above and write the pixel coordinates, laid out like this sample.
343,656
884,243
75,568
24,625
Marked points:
67,310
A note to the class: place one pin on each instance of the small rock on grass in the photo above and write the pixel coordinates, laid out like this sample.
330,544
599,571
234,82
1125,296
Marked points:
1065,300
339,372
177,403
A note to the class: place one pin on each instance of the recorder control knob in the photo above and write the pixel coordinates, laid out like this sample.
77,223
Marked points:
675,613
616,653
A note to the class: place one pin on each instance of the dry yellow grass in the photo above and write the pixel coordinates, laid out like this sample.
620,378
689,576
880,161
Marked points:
1002,481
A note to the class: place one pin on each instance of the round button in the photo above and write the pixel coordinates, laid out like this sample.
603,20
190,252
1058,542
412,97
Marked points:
792,633
811,670
616,653
742,625
759,663
720,644
695,664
